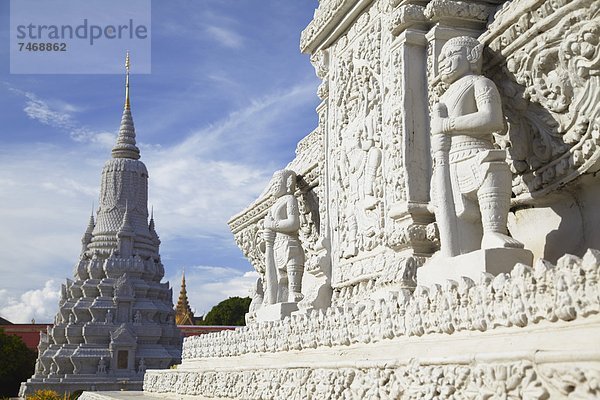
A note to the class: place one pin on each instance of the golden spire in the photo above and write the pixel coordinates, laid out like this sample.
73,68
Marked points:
183,312
127,107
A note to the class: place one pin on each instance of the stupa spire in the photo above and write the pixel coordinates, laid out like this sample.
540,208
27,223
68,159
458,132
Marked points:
123,321
126,224
125,234
151,223
87,236
183,312
125,146
91,224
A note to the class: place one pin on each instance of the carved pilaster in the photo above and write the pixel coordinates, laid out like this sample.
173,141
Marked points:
408,16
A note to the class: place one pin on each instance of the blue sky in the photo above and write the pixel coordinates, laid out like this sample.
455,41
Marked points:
228,98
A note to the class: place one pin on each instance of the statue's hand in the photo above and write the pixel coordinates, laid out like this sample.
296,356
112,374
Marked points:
269,222
439,114
437,125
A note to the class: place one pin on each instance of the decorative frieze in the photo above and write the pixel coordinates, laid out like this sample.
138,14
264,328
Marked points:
459,380
465,11
567,291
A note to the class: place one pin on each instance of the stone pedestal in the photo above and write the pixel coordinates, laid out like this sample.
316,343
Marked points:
471,265
276,312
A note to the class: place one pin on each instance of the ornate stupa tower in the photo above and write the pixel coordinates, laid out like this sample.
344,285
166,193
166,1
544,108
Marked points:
116,318
183,312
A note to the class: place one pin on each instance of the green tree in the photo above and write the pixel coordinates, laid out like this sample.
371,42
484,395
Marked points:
228,312
17,362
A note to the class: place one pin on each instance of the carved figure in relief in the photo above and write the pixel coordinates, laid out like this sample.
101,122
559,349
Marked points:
109,317
359,158
472,181
101,366
257,295
565,309
284,252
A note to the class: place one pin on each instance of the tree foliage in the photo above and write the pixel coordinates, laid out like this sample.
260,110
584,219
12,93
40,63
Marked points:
228,312
17,362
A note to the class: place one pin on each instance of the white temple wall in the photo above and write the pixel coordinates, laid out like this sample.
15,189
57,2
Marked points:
368,163
378,158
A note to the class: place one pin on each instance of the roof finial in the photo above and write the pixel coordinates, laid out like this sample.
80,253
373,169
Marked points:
125,146
127,105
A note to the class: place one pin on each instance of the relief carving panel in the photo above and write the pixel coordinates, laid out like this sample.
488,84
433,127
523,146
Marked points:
549,82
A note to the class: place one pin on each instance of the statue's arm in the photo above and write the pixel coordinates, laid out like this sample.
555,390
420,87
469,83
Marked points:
292,222
487,119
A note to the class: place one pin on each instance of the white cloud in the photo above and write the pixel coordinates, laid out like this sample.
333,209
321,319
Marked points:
41,111
70,187
105,140
59,114
38,304
224,36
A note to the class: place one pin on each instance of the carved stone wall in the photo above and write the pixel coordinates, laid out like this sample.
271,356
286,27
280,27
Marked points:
377,164
551,93
527,297
545,61
416,380
367,181
532,334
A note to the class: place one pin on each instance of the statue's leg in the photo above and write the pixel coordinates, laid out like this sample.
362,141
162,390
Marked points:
468,229
494,204
295,273
281,257
464,186
282,292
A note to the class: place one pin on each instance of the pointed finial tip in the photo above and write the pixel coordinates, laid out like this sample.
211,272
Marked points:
127,65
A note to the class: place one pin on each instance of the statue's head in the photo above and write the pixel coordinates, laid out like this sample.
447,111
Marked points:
460,56
283,182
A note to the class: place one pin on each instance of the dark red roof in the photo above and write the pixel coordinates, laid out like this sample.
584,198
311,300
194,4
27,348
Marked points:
30,333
